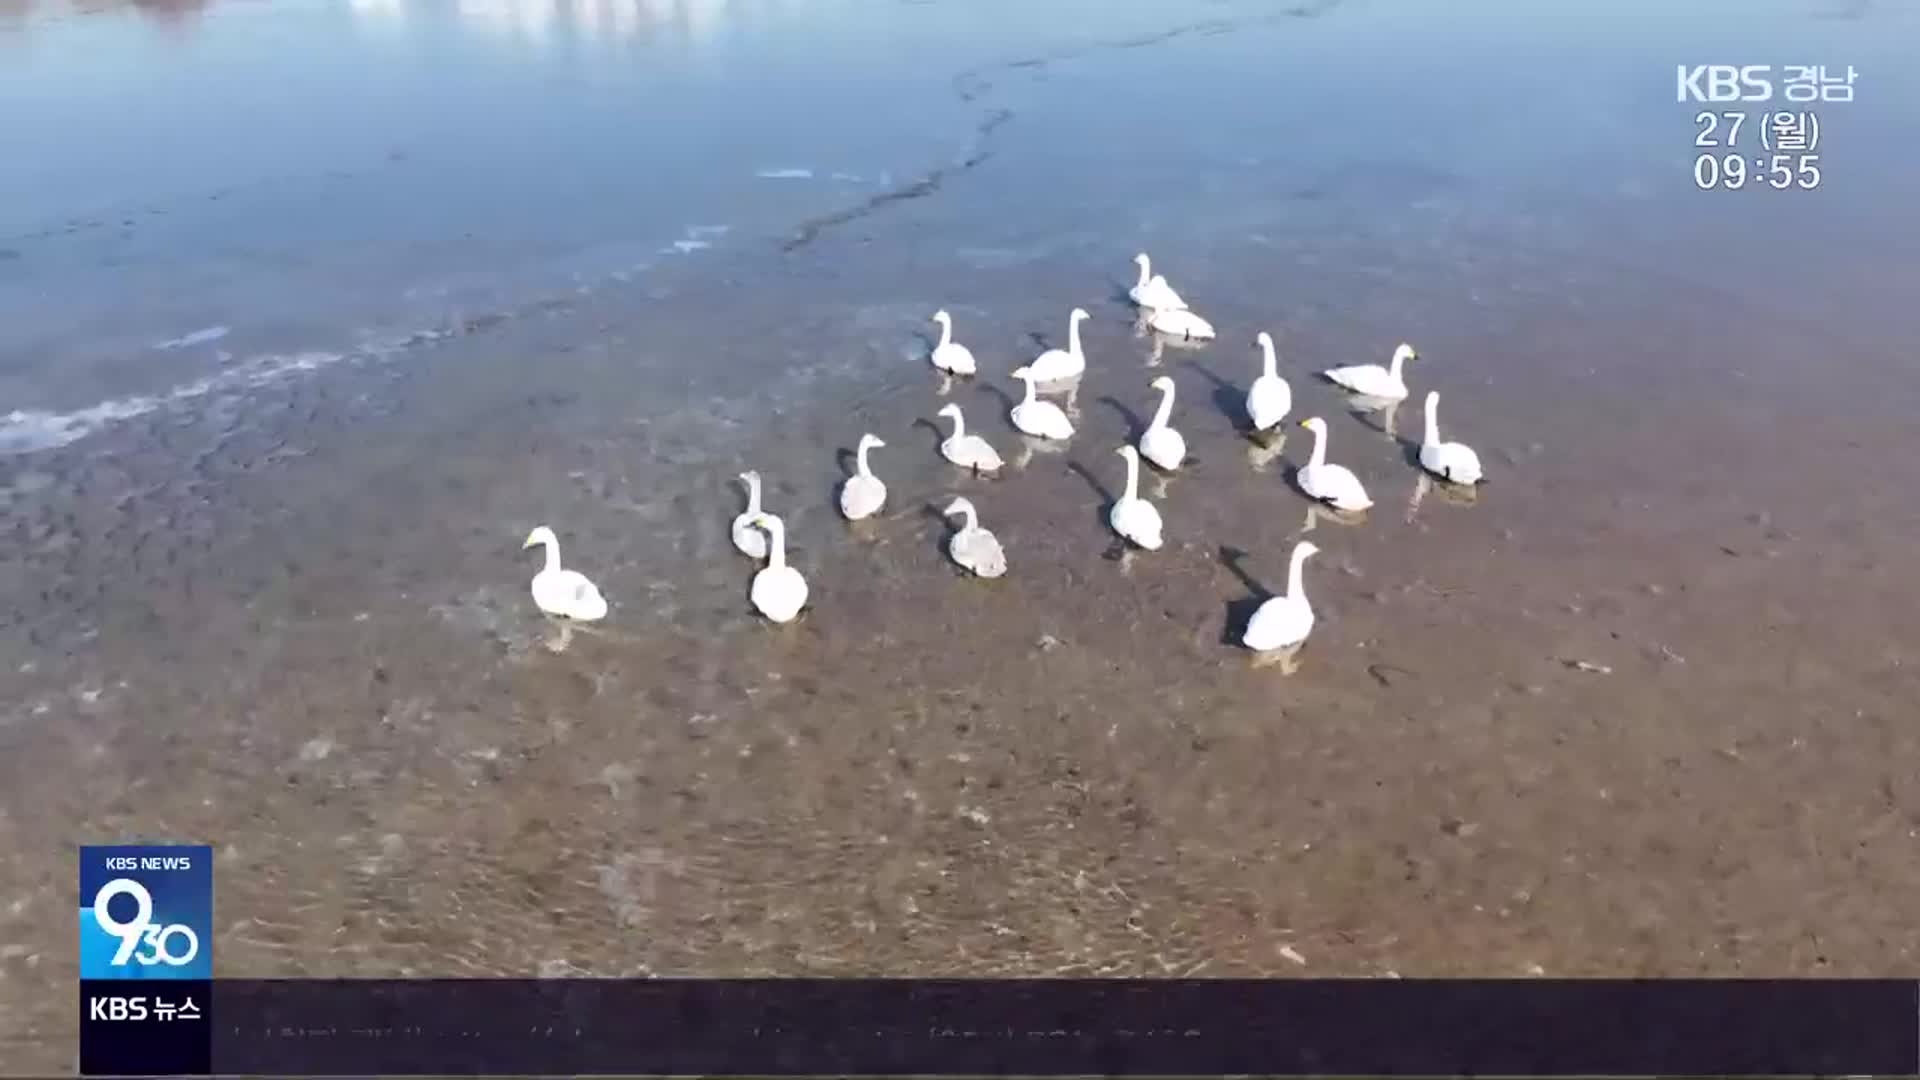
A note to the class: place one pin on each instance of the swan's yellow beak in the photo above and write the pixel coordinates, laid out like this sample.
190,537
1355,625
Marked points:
527,545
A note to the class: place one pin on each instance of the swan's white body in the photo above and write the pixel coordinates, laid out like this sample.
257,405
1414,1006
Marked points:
949,355
1132,516
1333,484
566,593
1269,399
1181,324
973,547
1055,365
967,451
1042,419
1283,621
1152,290
1160,444
750,541
779,592
1374,380
1447,460
863,493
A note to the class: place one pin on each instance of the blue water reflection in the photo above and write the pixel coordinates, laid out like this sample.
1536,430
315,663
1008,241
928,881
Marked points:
312,167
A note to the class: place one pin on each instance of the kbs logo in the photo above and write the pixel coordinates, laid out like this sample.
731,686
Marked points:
142,941
117,1008
1725,82
146,912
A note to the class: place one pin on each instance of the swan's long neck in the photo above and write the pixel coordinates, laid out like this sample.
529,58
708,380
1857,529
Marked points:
1030,391
753,494
1166,408
1433,422
1296,589
946,333
1319,457
1399,361
1073,336
1268,365
861,458
1133,477
959,425
553,556
1145,273
972,518
777,543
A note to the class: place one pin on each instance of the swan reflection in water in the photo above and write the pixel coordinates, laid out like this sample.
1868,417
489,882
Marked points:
1319,512
1265,448
1161,341
559,635
1030,446
1455,494
1287,660
1069,387
1382,414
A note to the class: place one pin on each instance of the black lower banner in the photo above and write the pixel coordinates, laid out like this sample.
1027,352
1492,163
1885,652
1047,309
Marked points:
791,1027
146,1027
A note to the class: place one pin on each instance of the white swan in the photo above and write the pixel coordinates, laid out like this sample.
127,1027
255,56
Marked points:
1161,444
1269,399
863,493
967,451
750,540
1132,516
1374,380
1447,460
973,547
1036,417
1152,290
778,589
949,355
1283,621
1333,484
1057,364
1182,324
563,592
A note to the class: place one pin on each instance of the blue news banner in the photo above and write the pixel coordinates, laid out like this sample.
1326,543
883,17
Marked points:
146,959
150,1006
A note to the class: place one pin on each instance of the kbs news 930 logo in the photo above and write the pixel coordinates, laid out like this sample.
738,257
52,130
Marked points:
146,912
